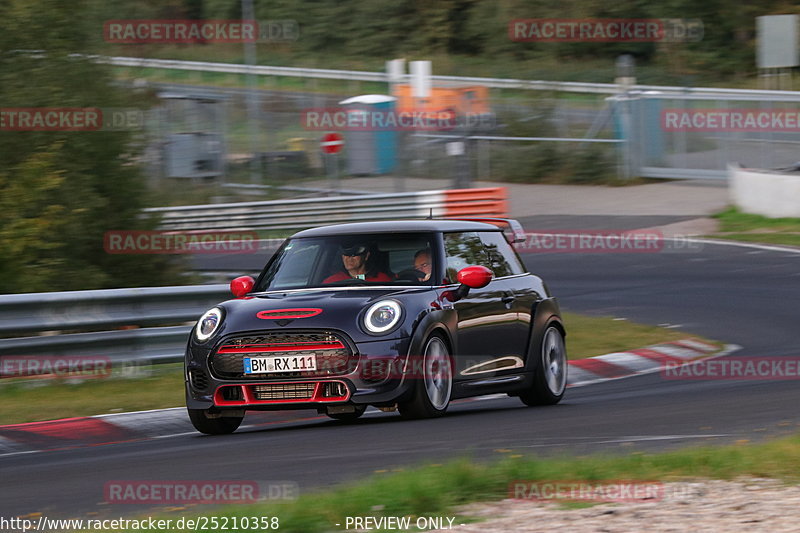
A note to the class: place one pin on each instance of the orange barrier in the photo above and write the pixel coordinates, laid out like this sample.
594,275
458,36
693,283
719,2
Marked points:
488,201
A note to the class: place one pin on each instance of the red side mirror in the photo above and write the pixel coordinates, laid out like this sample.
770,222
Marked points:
242,285
475,277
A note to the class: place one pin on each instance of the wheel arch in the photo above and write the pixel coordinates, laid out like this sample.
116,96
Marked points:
433,323
544,313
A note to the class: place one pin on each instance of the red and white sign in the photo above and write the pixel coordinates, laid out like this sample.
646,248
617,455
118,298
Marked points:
332,143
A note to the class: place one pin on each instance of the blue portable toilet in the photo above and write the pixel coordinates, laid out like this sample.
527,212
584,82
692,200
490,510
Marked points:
370,151
643,125
652,129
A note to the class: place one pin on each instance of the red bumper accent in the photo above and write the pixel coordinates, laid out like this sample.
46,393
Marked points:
248,394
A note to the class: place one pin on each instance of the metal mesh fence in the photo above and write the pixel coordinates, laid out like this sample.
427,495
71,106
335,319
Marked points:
533,136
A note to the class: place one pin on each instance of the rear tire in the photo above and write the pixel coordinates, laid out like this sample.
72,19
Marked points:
222,425
349,417
432,389
550,380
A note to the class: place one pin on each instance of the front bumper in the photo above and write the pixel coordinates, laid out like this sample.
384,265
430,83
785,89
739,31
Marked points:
375,379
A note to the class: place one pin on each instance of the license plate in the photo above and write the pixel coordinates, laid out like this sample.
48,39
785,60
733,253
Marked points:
290,363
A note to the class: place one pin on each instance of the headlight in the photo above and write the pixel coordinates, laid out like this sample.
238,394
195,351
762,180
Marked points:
382,316
208,324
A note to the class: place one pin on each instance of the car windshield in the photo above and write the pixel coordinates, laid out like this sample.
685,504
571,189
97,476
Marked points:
351,260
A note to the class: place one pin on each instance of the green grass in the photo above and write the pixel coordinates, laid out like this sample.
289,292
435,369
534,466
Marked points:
440,489
738,226
30,400
589,336
789,239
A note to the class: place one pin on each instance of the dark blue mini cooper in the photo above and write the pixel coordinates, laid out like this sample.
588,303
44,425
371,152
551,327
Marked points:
405,315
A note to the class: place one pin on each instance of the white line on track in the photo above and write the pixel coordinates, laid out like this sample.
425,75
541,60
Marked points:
755,246
619,440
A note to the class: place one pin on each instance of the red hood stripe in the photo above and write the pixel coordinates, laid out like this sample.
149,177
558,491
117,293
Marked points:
304,312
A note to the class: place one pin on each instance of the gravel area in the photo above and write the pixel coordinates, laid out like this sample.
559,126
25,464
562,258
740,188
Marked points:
707,506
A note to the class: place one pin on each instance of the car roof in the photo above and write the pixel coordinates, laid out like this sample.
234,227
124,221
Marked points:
397,226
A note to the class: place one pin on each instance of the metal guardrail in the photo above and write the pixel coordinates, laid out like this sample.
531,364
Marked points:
308,212
112,308
521,139
494,83
155,345
236,68
147,306
260,189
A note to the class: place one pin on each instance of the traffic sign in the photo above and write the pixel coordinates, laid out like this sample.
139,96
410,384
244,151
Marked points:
332,143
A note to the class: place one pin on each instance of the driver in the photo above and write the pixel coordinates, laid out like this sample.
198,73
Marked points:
355,262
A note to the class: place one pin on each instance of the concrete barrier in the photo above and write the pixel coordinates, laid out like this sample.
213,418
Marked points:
768,193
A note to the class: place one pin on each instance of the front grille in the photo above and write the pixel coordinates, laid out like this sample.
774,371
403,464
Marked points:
284,391
332,353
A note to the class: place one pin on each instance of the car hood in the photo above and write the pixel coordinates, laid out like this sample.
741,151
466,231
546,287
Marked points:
340,309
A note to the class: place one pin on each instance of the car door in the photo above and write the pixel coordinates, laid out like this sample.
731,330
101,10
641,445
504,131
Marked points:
484,319
519,294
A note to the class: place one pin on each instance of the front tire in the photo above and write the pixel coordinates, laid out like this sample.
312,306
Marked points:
222,425
433,388
550,380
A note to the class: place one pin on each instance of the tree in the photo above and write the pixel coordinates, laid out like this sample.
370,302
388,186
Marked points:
60,191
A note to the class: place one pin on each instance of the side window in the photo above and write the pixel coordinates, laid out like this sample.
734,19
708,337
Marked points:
463,250
502,257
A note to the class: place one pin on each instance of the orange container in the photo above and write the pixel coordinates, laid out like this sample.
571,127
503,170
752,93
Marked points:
460,99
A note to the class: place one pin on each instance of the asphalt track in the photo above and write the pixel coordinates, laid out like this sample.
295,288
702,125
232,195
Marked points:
740,295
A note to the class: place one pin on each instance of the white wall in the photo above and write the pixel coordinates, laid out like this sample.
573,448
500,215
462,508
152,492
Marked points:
763,192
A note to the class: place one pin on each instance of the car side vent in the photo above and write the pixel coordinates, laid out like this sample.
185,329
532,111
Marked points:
198,379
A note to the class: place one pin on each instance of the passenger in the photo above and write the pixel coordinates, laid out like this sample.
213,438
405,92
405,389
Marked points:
422,264
355,263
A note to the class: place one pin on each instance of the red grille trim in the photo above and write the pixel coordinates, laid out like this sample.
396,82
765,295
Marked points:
279,347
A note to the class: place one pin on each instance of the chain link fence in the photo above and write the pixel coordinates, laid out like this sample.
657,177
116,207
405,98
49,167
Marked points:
539,136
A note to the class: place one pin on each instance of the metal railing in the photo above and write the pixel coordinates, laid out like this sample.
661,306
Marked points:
493,83
57,312
155,345
147,306
308,212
